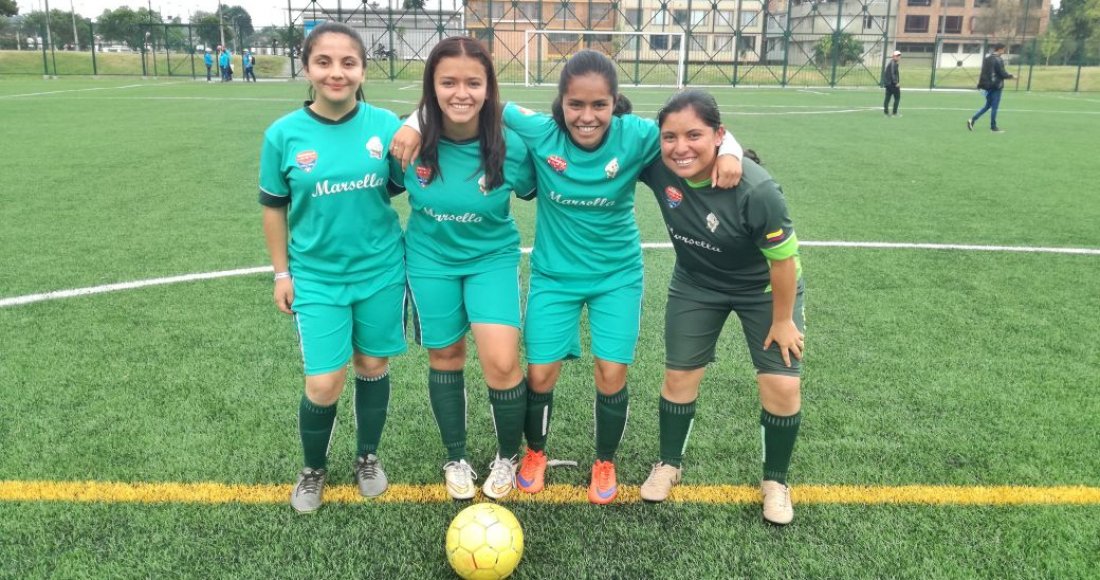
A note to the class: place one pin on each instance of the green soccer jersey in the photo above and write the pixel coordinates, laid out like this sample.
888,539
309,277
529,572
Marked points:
456,225
724,238
585,224
335,176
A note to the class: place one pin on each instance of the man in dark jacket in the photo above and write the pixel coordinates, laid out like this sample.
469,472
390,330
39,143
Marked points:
891,81
991,82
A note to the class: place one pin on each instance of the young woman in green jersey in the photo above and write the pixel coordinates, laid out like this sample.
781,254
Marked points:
335,244
736,251
462,255
587,158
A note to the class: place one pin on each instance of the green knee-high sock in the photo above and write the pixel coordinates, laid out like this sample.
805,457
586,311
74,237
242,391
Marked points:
509,416
778,435
675,421
315,427
372,403
611,414
447,391
540,407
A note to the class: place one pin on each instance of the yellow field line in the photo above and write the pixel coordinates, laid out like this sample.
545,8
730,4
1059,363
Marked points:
218,493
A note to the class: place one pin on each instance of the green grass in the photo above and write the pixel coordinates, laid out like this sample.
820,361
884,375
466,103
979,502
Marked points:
924,367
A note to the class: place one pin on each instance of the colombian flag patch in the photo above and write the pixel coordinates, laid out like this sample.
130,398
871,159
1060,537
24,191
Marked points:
774,236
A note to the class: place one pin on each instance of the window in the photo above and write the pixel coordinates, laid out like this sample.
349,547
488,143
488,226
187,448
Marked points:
660,17
950,25
699,43
916,23
746,44
750,18
724,19
919,2
679,17
496,10
633,17
949,47
953,3
722,43
868,22
599,13
664,42
980,3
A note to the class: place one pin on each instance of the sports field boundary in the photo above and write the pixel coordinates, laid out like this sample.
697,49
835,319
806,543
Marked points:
75,292
222,493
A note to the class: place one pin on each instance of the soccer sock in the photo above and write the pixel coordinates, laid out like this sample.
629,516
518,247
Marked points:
509,416
447,391
372,402
611,414
540,407
675,421
778,435
315,427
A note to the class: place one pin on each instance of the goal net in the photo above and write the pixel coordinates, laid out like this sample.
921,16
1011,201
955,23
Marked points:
644,59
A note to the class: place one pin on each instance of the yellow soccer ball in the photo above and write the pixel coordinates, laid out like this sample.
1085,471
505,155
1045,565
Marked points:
484,542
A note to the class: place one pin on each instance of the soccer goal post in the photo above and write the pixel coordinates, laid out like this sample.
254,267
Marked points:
644,59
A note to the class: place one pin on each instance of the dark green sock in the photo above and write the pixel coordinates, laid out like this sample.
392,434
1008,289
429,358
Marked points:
372,403
315,426
447,391
509,415
778,434
540,407
675,421
611,413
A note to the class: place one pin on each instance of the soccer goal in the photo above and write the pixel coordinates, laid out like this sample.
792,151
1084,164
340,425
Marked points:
644,59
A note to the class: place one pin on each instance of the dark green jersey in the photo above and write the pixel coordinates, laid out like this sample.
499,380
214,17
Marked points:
456,225
335,177
724,238
585,224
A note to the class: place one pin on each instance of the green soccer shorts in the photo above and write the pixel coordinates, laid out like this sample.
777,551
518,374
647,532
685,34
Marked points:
332,319
552,326
445,306
694,318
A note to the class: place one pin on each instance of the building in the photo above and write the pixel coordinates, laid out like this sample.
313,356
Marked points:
956,32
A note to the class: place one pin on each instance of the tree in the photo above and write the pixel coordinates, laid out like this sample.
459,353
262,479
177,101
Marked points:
1049,44
1003,19
8,8
847,51
130,26
239,20
413,4
206,28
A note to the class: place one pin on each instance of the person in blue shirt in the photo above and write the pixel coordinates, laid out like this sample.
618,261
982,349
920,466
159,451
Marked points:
223,64
248,60
208,60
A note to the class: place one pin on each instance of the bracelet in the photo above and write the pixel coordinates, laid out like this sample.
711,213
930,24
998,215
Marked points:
281,275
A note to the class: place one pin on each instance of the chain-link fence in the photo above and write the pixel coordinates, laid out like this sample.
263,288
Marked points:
826,43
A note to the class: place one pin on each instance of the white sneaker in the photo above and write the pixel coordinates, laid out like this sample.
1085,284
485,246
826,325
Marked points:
662,478
502,477
777,503
459,478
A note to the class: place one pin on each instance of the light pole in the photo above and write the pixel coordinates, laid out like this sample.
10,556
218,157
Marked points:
76,39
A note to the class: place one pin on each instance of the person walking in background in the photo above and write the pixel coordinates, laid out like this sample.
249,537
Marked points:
208,60
891,81
248,61
991,83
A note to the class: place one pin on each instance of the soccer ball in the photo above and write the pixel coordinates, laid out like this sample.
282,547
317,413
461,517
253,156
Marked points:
484,542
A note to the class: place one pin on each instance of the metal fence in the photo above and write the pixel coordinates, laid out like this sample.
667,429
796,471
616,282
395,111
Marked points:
832,43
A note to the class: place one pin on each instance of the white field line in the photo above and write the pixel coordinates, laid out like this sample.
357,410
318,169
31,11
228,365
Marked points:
75,91
59,294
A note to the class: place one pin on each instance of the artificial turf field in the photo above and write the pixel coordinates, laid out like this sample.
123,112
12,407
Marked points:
949,394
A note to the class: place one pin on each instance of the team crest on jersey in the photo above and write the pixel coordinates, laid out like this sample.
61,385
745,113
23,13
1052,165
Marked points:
481,185
673,197
423,175
374,146
775,236
712,222
557,164
306,160
612,168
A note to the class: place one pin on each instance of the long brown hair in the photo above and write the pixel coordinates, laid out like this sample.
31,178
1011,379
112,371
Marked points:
490,129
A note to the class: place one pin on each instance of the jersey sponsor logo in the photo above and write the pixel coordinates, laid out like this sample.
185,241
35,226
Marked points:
673,197
465,218
374,146
557,164
369,181
423,175
306,160
598,202
612,168
712,222
692,241
775,236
